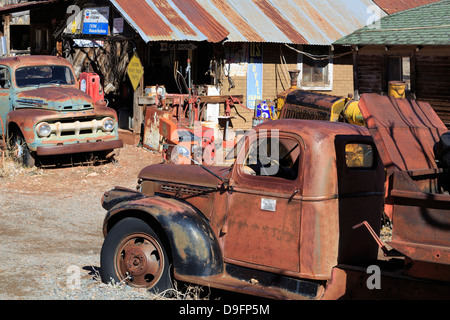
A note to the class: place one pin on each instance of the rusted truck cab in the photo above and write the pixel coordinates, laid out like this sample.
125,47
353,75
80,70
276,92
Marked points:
44,113
273,224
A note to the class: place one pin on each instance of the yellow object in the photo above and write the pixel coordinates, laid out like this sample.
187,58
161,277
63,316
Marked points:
293,74
74,26
349,109
353,114
397,89
135,71
336,109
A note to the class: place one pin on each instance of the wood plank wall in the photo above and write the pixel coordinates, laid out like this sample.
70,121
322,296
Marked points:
430,73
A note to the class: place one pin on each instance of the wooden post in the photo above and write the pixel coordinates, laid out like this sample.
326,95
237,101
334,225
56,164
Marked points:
7,33
355,73
138,113
412,73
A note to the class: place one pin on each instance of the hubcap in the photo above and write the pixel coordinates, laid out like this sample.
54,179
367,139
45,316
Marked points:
140,260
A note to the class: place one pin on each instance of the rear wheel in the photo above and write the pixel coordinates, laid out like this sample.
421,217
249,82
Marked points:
133,253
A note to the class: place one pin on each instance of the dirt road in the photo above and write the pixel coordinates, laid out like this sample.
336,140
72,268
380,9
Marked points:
50,228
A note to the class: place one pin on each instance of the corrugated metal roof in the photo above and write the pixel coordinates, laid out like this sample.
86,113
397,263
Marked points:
170,20
393,6
25,6
276,21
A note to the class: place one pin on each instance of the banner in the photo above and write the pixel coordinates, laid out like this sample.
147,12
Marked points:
254,74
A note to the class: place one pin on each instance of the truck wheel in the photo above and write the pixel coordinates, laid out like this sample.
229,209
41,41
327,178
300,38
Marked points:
21,151
133,253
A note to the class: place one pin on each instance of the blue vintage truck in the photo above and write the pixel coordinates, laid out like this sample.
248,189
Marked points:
43,112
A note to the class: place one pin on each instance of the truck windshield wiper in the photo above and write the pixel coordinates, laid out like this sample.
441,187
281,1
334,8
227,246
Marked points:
224,181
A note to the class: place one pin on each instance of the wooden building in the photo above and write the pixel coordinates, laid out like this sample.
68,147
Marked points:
235,47
246,48
411,46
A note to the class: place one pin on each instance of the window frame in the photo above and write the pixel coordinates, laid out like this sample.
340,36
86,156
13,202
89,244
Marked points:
3,67
265,181
324,87
342,140
404,77
361,167
67,72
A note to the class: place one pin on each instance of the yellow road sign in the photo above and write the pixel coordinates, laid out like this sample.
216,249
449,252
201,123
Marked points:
135,71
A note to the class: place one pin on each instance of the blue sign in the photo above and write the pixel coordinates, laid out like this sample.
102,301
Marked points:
263,110
96,21
254,74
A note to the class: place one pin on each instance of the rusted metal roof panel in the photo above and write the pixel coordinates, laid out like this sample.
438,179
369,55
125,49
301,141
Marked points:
404,130
289,21
318,22
202,19
324,21
239,26
19,7
163,20
393,6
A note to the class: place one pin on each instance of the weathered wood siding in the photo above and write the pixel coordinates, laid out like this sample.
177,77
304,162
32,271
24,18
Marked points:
433,83
370,73
430,73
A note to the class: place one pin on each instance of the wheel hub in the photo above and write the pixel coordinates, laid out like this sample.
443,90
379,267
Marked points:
136,263
140,261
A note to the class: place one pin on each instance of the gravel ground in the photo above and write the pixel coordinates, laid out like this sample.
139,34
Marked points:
51,228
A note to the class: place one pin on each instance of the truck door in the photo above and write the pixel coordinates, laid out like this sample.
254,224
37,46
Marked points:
361,193
5,91
264,205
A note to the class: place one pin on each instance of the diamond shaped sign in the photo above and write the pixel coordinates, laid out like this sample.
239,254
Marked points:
135,71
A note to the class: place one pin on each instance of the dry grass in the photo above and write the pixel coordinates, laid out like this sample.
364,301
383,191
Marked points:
188,292
10,168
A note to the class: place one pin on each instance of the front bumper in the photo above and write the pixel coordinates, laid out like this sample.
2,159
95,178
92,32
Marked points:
79,147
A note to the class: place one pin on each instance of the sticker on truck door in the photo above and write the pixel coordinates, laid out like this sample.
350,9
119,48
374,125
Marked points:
268,204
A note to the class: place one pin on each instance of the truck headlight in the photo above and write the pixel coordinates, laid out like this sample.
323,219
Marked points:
108,124
43,129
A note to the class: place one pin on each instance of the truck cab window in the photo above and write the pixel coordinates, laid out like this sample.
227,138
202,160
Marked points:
274,157
359,155
5,78
44,75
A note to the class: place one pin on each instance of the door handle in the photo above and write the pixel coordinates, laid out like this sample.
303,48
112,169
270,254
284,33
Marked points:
293,194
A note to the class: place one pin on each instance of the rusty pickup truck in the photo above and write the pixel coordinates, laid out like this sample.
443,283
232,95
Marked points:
44,113
297,216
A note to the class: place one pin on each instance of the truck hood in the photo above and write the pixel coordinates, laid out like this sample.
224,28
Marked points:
185,174
53,98
405,131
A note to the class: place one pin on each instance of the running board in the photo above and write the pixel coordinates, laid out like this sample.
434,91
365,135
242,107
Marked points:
260,283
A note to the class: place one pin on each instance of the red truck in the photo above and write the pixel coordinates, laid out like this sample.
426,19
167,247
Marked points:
297,216
43,112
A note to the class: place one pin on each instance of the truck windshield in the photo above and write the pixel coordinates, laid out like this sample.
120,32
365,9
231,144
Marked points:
44,75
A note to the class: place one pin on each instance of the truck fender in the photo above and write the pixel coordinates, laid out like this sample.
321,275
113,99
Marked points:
194,248
23,121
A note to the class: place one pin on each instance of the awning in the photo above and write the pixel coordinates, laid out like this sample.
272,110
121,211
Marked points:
18,7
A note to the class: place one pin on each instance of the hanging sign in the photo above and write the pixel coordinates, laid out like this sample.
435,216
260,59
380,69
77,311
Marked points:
135,71
96,20
254,74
